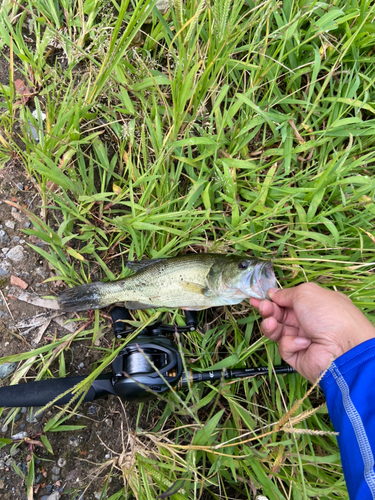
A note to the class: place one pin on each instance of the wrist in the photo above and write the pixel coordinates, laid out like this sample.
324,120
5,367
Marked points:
351,340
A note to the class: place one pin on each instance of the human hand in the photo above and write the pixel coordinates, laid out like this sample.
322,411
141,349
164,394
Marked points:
312,326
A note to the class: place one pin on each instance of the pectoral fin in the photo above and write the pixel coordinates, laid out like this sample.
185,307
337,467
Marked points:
195,288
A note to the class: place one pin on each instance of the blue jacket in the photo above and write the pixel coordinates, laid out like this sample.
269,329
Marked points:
349,388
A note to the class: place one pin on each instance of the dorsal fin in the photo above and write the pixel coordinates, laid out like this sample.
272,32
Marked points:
142,264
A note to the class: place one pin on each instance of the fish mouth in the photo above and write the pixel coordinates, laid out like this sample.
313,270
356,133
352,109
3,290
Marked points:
262,279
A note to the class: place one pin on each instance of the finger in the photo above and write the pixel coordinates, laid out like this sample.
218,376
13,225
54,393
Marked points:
274,330
255,303
288,296
283,298
281,314
289,346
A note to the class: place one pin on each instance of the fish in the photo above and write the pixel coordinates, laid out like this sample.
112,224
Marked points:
192,282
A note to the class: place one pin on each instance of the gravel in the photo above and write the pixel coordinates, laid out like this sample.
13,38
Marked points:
4,269
31,417
6,369
16,254
53,496
4,238
20,435
56,470
92,410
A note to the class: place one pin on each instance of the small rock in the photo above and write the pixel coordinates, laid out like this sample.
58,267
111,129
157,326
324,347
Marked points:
23,409
55,478
108,422
19,435
6,369
16,254
49,488
54,496
19,186
41,272
5,250
4,269
92,410
16,239
80,366
15,281
4,238
2,484
4,428
32,418
18,216
61,462
10,224
27,224
2,464
56,470
74,441
23,467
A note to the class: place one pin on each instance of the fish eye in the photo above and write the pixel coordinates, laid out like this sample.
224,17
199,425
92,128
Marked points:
243,265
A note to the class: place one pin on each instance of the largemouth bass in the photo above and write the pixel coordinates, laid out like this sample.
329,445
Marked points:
192,282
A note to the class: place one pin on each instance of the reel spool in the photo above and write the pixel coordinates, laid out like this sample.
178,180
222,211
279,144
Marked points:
145,368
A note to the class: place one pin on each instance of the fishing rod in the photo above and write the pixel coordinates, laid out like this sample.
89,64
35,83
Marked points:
147,367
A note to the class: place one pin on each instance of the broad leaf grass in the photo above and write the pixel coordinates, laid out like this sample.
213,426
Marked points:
224,127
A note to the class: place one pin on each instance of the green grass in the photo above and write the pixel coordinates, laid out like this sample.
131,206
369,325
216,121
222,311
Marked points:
231,127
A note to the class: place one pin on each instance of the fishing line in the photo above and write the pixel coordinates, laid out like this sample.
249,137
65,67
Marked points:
137,362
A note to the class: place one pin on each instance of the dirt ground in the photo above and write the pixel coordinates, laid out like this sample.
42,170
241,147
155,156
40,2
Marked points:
74,469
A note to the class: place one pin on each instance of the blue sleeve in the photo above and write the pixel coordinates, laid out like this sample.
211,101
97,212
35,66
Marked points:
349,388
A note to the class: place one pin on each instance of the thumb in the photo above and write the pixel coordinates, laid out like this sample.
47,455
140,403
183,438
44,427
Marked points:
283,298
290,345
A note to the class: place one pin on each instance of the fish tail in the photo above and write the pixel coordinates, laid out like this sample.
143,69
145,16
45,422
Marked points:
90,296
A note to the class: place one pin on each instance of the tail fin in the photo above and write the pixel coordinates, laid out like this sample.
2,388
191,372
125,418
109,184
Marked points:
90,296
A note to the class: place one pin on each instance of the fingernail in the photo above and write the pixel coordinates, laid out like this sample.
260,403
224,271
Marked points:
302,342
265,323
272,290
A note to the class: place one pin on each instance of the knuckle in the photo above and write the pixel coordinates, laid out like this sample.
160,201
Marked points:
285,313
282,351
307,288
344,296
